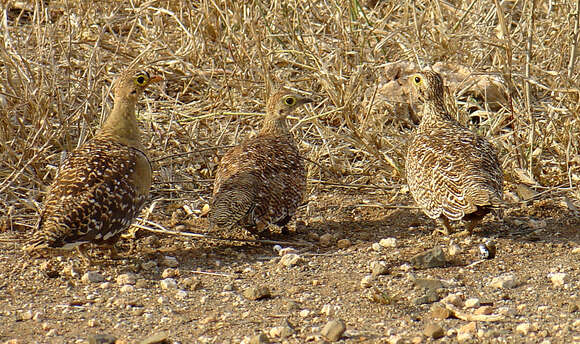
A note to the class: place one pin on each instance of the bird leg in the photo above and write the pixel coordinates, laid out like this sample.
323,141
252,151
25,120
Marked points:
443,222
81,249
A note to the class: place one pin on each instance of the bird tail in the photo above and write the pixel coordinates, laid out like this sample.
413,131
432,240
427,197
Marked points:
234,200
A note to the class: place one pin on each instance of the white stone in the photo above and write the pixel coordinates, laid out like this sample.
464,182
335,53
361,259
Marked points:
127,288
287,250
395,339
454,250
523,328
93,277
388,242
304,313
464,337
472,303
365,282
290,259
376,247
508,280
277,248
558,278
181,294
127,278
168,283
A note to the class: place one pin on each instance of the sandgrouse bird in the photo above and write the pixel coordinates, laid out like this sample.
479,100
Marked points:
263,180
102,185
452,173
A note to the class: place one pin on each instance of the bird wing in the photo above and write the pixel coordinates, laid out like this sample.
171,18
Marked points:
94,196
451,171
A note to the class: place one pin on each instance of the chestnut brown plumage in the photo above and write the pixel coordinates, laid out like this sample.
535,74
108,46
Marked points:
263,180
452,172
102,185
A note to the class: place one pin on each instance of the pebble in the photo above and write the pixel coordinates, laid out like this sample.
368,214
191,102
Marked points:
395,339
484,310
523,328
429,259
508,280
101,339
379,268
170,261
126,278
191,283
181,294
472,303
158,338
558,278
376,247
488,249
170,272
27,315
127,288
257,293
149,265
366,281
287,250
454,250
454,299
464,337
326,239
93,277
430,296
290,260
304,313
260,338
438,311
427,283
344,243
388,242
105,285
576,250
285,330
333,330
470,328
433,330
168,283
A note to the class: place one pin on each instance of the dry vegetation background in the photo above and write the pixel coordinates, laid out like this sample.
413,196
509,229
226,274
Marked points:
220,58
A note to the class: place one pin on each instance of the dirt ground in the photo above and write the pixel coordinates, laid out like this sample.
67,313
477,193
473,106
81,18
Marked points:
47,300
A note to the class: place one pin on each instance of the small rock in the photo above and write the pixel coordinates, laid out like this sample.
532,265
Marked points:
290,260
366,281
304,313
488,249
170,261
454,299
433,330
168,283
141,283
257,293
508,280
523,328
333,330
149,265
454,250
558,278
429,259
484,310
93,277
127,288
101,339
438,311
428,283
376,247
472,303
191,283
285,330
27,315
395,339
170,273
429,297
464,337
379,268
287,250
388,242
158,338
326,239
343,243
261,338
470,328
127,278
576,250
181,294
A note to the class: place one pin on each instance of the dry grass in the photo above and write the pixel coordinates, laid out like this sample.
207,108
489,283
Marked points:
220,59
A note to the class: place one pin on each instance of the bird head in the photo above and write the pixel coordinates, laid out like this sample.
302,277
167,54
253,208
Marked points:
131,84
283,103
427,86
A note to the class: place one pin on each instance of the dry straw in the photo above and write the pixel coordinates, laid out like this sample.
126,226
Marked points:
220,59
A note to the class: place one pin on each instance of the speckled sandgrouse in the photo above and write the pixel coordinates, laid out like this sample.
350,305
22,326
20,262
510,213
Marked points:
102,185
263,180
452,172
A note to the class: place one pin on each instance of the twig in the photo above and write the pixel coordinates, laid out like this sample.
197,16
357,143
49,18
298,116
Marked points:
471,317
574,45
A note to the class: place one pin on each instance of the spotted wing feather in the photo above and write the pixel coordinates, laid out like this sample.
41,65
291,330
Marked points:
95,196
264,178
451,171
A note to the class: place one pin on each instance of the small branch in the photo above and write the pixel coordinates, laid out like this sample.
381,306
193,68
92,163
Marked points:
574,45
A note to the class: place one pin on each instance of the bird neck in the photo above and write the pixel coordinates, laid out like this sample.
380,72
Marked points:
121,125
435,114
275,125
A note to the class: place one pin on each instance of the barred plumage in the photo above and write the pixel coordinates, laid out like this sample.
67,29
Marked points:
452,172
263,180
102,185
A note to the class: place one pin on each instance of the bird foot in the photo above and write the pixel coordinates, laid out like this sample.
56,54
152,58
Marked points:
438,231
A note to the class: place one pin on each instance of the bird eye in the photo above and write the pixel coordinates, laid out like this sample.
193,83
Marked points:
417,79
141,79
290,101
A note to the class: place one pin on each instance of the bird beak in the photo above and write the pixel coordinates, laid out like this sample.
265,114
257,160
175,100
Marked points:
155,78
306,100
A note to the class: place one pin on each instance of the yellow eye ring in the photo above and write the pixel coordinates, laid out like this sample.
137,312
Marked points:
141,79
290,101
417,79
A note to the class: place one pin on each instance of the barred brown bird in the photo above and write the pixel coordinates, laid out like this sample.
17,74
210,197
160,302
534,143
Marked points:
102,185
263,180
452,172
